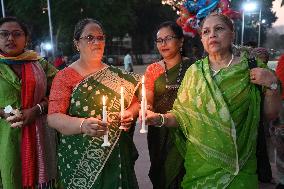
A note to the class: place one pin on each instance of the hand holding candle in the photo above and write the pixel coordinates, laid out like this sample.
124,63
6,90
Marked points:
106,142
122,106
143,107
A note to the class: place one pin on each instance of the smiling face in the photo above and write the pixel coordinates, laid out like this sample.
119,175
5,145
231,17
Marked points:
12,39
216,35
167,43
91,43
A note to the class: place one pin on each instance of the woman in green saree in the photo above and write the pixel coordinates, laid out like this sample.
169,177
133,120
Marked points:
217,110
27,145
162,80
76,112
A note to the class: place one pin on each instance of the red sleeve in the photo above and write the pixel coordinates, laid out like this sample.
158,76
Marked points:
280,73
61,90
151,74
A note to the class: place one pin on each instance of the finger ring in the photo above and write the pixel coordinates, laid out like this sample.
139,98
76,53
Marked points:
131,119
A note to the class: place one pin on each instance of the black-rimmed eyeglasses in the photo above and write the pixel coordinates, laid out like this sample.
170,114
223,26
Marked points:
167,39
93,39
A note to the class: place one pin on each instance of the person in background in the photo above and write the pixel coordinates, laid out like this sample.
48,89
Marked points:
217,111
60,62
27,145
128,64
196,53
162,80
277,130
76,103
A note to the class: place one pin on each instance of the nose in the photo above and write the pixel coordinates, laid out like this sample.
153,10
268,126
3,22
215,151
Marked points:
164,42
10,37
212,34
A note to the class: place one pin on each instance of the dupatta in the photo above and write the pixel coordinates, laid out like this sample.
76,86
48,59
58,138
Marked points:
38,160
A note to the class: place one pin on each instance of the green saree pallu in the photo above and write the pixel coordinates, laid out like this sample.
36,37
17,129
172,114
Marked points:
219,117
83,162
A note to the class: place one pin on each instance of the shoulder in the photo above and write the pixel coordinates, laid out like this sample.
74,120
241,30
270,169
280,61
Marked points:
67,73
123,73
156,66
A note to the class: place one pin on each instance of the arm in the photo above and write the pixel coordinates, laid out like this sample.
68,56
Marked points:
151,74
163,120
272,98
50,72
68,125
130,114
272,104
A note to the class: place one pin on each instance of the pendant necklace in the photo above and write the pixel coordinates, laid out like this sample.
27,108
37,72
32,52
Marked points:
178,79
217,71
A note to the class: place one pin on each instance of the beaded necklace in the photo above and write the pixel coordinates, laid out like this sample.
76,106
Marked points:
178,79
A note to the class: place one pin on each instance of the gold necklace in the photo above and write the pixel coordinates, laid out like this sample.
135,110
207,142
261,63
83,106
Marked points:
215,72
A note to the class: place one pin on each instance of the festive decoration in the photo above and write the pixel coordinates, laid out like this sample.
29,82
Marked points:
191,12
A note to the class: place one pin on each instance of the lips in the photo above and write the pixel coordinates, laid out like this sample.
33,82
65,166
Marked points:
165,50
213,42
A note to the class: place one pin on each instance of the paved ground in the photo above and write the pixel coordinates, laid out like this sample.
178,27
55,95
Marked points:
143,163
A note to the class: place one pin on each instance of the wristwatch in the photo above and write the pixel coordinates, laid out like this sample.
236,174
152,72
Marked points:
273,86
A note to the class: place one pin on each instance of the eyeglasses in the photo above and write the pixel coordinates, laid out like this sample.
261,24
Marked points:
167,39
93,39
4,34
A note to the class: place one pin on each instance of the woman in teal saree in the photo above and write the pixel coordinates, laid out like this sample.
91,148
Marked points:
217,110
76,101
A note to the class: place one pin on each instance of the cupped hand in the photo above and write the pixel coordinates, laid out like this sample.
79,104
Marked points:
94,127
151,118
126,119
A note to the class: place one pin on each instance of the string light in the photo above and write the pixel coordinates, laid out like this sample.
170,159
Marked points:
175,4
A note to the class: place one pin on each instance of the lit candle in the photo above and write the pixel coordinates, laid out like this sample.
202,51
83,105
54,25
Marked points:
106,142
143,107
122,105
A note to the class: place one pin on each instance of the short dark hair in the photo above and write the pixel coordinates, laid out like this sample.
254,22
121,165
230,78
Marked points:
23,26
79,27
174,27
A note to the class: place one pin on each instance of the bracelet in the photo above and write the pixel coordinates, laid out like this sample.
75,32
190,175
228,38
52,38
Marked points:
81,124
40,108
162,120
